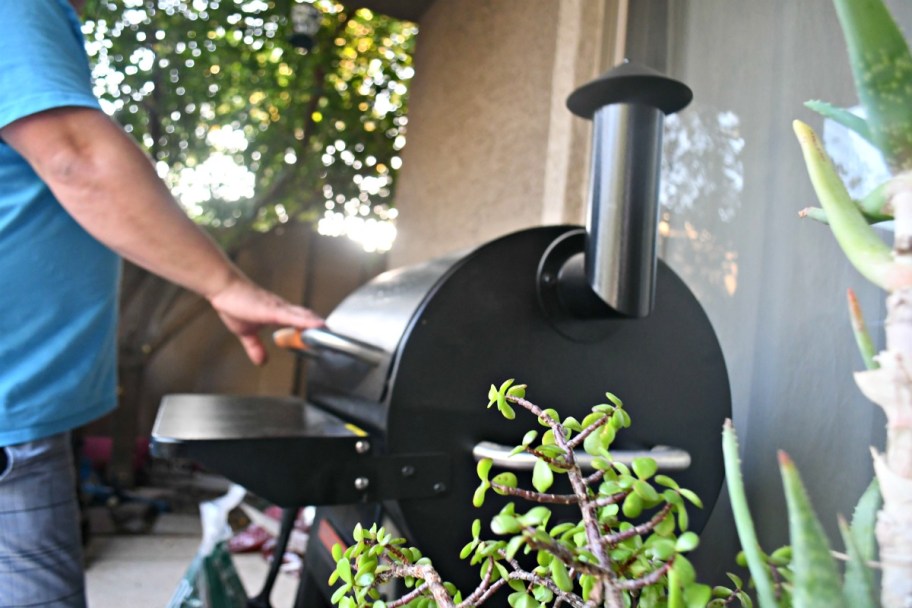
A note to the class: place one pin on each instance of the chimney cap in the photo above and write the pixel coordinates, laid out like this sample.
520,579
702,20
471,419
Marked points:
630,83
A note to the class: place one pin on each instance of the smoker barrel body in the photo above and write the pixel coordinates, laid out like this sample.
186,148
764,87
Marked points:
467,322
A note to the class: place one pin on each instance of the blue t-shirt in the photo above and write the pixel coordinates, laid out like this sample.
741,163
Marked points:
58,285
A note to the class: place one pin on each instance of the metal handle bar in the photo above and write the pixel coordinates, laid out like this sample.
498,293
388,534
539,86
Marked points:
311,341
323,339
666,457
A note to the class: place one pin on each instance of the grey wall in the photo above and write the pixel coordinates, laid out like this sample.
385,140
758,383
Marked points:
774,285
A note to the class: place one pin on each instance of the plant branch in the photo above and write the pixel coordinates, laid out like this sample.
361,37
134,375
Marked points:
644,581
649,526
431,578
613,499
581,436
483,591
567,556
554,499
587,507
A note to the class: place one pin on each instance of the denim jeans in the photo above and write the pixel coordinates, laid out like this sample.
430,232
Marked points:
40,545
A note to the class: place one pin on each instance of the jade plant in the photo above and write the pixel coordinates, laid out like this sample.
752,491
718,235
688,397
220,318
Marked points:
625,549
882,70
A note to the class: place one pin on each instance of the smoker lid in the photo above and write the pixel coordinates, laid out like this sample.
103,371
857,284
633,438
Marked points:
630,83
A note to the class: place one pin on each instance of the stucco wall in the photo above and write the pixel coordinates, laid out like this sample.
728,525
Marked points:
491,148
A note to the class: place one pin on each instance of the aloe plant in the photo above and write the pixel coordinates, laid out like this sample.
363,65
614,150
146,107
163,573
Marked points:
882,70
806,574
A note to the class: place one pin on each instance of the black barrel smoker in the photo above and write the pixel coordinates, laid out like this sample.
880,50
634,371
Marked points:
394,417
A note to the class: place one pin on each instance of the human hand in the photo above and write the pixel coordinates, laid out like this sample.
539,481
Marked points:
245,308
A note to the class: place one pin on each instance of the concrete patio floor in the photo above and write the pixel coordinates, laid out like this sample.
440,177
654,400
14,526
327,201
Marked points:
143,570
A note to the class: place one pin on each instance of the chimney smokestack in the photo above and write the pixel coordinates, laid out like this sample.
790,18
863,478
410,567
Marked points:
628,105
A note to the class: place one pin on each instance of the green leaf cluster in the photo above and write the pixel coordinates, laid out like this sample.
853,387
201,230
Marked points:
319,131
630,539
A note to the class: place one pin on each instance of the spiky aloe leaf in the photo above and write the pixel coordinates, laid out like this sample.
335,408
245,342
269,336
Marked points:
817,583
859,582
882,68
873,207
864,519
850,121
874,204
860,329
743,520
870,256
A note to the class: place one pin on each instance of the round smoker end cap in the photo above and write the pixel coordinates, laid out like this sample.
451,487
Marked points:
630,83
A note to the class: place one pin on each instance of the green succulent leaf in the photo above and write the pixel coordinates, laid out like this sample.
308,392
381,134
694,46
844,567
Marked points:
536,516
340,593
644,467
518,391
645,491
633,506
505,408
864,249
691,496
615,400
864,519
479,496
847,119
687,542
514,545
542,476
858,588
505,524
668,482
492,395
592,444
675,592
505,479
744,523
816,577
343,569
882,68
560,576
468,549
483,468
697,595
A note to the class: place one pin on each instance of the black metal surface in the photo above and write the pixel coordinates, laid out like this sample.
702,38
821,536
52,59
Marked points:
630,83
483,322
291,453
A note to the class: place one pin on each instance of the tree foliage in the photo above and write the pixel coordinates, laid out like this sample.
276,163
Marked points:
248,129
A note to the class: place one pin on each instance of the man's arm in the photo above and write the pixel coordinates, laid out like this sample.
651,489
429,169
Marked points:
109,186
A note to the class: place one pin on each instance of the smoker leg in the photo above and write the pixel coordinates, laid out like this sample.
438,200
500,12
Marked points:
289,514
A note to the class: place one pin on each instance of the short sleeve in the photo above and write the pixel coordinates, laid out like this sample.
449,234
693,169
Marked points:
43,63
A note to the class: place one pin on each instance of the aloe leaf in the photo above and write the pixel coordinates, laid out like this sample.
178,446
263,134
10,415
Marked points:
814,213
850,121
882,68
817,581
860,329
864,519
743,520
858,589
870,256
874,206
